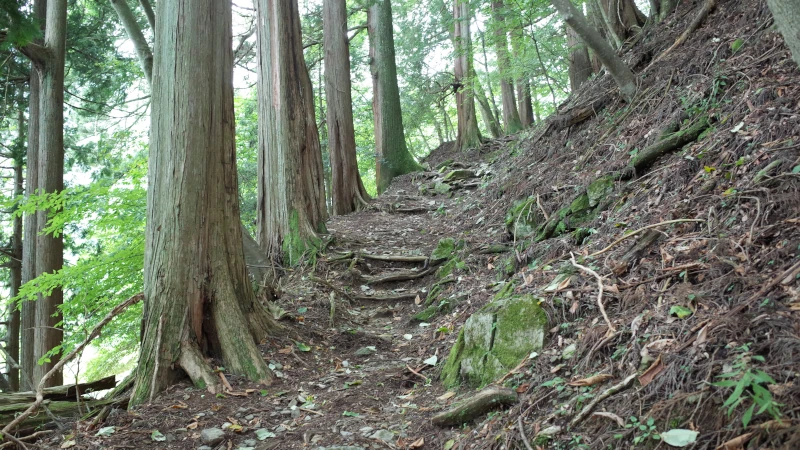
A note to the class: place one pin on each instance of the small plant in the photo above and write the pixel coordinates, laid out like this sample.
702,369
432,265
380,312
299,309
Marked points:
749,382
644,430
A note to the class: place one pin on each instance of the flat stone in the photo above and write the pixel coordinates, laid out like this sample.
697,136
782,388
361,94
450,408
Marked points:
383,435
212,436
366,351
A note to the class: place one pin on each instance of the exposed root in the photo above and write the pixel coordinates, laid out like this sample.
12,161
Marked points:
481,403
655,225
701,16
619,387
194,364
404,276
611,329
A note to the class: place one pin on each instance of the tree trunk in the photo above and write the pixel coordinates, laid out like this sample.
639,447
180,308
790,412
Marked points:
137,38
347,190
392,157
468,135
148,11
511,119
580,67
787,18
50,248
619,71
489,120
522,82
197,296
16,262
291,192
624,17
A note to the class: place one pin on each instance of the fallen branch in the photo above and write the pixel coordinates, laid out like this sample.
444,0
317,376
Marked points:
386,298
522,433
67,392
701,15
483,402
672,142
394,258
655,225
94,333
611,329
619,387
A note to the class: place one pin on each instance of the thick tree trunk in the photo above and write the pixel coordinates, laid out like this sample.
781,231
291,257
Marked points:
624,18
489,119
49,248
511,119
619,71
137,38
580,67
468,135
521,82
347,191
28,359
787,18
392,157
291,191
197,296
16,263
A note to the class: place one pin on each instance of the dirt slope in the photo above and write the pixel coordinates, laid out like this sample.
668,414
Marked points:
689,301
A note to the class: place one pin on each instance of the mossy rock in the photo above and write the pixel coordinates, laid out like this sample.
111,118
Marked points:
442,188
494,340
521,219
460,174
600,189
580,204
426,314
444,249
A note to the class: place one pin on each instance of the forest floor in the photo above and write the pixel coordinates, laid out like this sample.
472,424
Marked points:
689,303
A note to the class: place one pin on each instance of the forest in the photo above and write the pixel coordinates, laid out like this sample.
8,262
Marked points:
356,224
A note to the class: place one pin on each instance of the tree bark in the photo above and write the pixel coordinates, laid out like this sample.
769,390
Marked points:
196,292
137,38
787,18
148,11
291,192
511,120
468,136
49,247
580,67
392,157
347,190
619,71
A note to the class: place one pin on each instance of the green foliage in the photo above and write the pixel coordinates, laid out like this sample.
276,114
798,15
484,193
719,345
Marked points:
748,383
645,431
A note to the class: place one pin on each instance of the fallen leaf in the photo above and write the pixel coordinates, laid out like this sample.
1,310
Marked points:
736,443
680,311
192,426
522,388
286,350
557,368
574,308
432,360
236,428
564,284
590,381
157,436
68,444
652,372
679,437
419,443
446,396
262,434
620,421
180,405
449,444
417,300
490,266
702,336
106,431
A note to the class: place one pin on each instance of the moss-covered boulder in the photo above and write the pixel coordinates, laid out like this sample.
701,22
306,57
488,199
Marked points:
522,219
599,189
494,340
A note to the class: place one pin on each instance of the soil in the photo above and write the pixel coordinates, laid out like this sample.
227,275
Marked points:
731,272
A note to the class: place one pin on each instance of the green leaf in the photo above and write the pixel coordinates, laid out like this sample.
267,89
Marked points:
449,444
679,437
302,310
351,414
680,311
157,436
302,347
748,415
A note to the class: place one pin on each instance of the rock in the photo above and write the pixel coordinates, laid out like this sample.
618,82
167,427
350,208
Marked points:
460,174
523,218
599,189
212,436
204,447
249,417
383,435
441,188
366,351
494,340
250,442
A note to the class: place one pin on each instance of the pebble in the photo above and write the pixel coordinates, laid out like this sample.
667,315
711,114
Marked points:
212,436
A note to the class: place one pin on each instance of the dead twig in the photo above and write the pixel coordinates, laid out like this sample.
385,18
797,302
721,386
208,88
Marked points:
655,225
522,433
611,328
619,387
95,332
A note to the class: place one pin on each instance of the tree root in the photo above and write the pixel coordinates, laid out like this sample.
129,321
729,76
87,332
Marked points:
93,334
699,18
330,286
611,329
404,276
386,298
655,225
619,387
194,364
669,143
481,403
394,258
